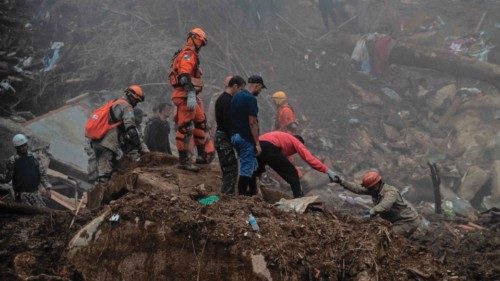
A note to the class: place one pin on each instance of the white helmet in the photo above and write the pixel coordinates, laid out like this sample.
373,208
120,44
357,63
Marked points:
19,140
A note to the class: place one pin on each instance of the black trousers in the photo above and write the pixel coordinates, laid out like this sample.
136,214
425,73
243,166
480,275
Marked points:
271,155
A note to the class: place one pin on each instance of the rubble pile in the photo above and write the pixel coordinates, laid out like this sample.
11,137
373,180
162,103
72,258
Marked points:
159,228
163,231
415,113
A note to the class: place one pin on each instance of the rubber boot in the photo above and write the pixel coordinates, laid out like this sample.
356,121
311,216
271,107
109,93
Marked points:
184,163
202,156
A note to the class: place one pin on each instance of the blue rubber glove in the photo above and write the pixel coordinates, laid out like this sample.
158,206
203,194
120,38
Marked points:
191,100
333,176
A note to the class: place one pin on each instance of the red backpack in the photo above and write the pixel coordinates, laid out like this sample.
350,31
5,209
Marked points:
98,125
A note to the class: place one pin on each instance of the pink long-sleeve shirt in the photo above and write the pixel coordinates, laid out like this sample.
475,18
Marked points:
289,145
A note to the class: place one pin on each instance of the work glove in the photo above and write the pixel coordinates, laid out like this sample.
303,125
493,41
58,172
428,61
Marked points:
133,137
191,100
333,176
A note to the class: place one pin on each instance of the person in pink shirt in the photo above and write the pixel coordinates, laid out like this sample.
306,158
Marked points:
277,147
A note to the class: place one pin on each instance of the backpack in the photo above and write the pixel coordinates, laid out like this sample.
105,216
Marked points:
173,73
98,124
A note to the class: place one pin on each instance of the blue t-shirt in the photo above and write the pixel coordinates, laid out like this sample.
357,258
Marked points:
243,104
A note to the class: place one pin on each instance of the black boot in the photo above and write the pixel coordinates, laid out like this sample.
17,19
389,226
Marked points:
184,163
202,156
243,183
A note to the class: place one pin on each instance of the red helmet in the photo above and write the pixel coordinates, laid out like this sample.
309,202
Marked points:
370,179
136,92
200,34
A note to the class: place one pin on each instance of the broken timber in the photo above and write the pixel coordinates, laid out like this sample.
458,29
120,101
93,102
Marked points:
418,56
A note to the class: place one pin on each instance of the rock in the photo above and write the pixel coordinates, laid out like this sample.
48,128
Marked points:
259,267
472,181
489,202
470,132
495,185
391,133
446,93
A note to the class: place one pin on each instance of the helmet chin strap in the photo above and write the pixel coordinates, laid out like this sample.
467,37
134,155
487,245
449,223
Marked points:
196,47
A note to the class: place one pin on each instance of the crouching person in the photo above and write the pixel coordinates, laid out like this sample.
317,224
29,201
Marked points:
388,201
28,175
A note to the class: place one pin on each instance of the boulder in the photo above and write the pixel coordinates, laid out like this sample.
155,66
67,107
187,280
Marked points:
495,177
448,92
472,181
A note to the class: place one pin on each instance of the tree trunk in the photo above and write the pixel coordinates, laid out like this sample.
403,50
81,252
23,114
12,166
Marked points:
418,56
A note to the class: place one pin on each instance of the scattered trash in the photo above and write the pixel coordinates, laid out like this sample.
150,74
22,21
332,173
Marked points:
5,86
25,62
425,223
253,223
353,121
475,45
447,207
114,218
353,106
209,200
435,24
463,208
49,60
392,94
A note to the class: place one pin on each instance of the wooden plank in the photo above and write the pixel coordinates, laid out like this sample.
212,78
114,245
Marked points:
62,200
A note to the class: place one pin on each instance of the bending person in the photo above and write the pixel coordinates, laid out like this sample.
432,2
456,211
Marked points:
276,148
387,201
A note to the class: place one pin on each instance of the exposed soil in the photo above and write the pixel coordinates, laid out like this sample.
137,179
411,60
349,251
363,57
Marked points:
164,233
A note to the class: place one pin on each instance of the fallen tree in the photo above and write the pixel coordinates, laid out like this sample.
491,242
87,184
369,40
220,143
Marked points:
418,56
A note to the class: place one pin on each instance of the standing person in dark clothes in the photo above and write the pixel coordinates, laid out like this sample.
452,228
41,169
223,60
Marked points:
330,9
157,131
245,133
225,150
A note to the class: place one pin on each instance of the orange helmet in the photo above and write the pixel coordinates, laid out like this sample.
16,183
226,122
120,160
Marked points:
200,34
370,179
135,91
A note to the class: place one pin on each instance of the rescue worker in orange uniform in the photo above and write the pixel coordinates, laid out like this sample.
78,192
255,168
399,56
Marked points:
190,119
285,115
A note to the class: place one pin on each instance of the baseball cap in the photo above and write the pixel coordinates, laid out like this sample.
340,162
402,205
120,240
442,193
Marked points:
256,79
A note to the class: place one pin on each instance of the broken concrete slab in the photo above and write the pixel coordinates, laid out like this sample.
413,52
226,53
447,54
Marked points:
299,205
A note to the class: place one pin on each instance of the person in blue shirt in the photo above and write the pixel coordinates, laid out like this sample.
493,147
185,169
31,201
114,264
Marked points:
245,133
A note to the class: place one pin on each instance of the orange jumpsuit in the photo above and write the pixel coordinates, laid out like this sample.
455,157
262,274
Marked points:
284,117
186,62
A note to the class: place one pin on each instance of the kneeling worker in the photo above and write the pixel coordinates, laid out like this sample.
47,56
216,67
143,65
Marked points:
276,148
389,203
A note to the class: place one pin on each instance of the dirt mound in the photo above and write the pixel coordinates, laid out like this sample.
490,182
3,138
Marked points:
163,232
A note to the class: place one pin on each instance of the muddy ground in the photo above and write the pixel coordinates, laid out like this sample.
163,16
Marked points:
109,44
164,233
